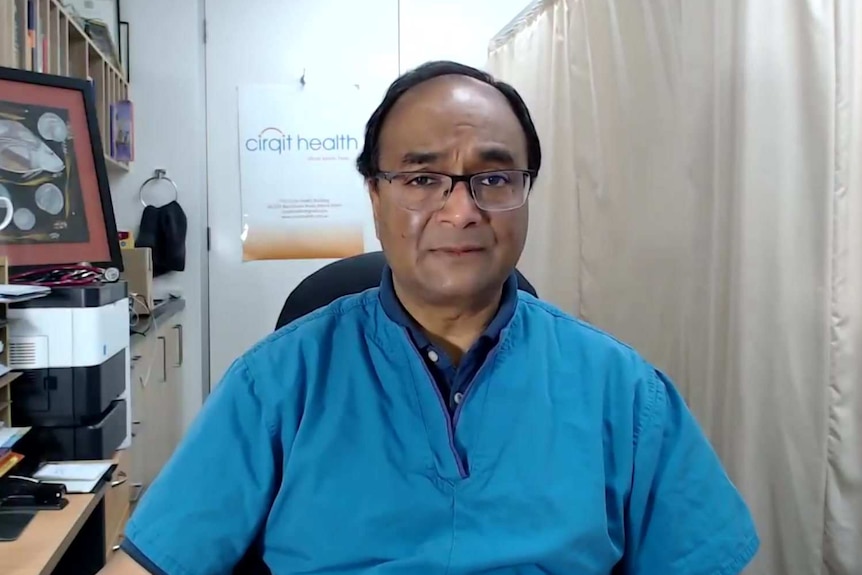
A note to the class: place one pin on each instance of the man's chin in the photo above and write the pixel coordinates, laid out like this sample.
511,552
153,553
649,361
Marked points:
455,288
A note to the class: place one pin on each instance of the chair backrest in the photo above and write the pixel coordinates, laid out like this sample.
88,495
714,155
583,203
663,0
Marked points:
344,277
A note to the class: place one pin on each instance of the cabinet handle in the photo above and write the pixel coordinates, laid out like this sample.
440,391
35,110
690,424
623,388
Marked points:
164,358
138,487
136,358
115,548
179,328
123,479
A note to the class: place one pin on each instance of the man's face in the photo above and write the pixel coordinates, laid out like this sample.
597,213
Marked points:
451,125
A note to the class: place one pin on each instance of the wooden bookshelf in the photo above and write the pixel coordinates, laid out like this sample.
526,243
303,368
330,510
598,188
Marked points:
6,397
64,49
7,379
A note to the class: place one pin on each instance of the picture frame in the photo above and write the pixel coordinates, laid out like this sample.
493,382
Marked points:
125,42
125,57
52,168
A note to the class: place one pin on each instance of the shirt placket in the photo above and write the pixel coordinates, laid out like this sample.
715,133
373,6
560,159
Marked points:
454,380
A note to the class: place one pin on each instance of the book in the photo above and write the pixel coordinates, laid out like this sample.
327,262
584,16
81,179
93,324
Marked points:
9,436
9,461
122,131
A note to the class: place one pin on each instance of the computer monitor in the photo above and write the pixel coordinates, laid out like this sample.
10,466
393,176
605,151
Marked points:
52,169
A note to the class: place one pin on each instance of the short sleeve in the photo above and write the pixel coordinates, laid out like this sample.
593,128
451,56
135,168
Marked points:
684,515
207,505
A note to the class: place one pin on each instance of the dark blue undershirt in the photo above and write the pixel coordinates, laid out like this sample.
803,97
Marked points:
452,380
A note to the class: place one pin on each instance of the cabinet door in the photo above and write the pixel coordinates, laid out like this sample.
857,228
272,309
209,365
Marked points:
139,366
174,389
158,410
167,390
156,381
148,375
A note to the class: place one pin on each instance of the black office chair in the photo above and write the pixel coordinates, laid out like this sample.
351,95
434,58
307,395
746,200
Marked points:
332,281
344,277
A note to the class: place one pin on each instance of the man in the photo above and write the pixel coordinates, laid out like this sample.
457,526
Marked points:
445,423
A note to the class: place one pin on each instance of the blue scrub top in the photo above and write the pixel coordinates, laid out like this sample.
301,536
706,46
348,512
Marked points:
330,444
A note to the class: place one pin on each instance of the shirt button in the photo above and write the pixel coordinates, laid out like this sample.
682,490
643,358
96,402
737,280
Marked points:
432,355
459,397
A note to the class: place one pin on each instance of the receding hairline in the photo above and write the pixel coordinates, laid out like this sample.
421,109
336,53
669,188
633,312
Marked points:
436,82
421,90
367,161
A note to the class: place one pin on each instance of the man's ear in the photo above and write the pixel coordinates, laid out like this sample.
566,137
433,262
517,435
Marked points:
372,185
374,193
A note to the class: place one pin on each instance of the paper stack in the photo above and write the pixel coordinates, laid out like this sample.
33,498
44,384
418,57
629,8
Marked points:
77,476
14,293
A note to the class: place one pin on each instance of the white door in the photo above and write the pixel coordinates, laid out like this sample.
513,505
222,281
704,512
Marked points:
257,42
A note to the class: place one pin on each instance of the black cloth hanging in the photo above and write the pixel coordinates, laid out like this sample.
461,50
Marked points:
163,230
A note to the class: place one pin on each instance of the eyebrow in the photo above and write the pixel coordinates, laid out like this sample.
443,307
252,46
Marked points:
419,158
496,154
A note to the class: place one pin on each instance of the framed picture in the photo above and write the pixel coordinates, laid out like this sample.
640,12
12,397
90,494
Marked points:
124,50
52,169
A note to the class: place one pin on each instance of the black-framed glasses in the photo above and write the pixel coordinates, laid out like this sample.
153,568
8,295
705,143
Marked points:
492,191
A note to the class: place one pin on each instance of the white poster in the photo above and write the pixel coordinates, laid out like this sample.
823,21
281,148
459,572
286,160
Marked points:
302,197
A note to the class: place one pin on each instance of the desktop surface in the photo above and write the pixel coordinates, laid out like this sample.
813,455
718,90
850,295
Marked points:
41,546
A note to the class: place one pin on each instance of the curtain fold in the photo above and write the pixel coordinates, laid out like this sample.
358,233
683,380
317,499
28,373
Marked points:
702,199
842,541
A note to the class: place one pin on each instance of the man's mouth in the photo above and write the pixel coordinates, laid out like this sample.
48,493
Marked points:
460,250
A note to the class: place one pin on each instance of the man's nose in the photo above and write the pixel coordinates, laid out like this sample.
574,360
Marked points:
460,209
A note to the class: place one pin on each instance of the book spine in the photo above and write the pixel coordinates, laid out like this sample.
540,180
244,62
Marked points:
31,35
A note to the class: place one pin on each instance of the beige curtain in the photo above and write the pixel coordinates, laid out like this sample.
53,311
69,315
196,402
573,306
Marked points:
702,200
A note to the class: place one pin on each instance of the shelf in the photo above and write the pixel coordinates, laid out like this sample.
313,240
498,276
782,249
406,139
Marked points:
9,378
59,33
116,166
6,396
74,24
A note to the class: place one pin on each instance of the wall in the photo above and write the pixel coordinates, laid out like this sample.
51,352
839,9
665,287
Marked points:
452,29
167,83
168,87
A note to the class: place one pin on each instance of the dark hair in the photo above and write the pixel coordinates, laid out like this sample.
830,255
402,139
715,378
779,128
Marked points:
367,162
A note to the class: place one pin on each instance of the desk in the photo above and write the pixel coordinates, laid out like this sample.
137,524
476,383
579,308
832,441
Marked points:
53,537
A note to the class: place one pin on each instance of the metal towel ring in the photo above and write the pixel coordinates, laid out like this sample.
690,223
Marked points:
160,175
